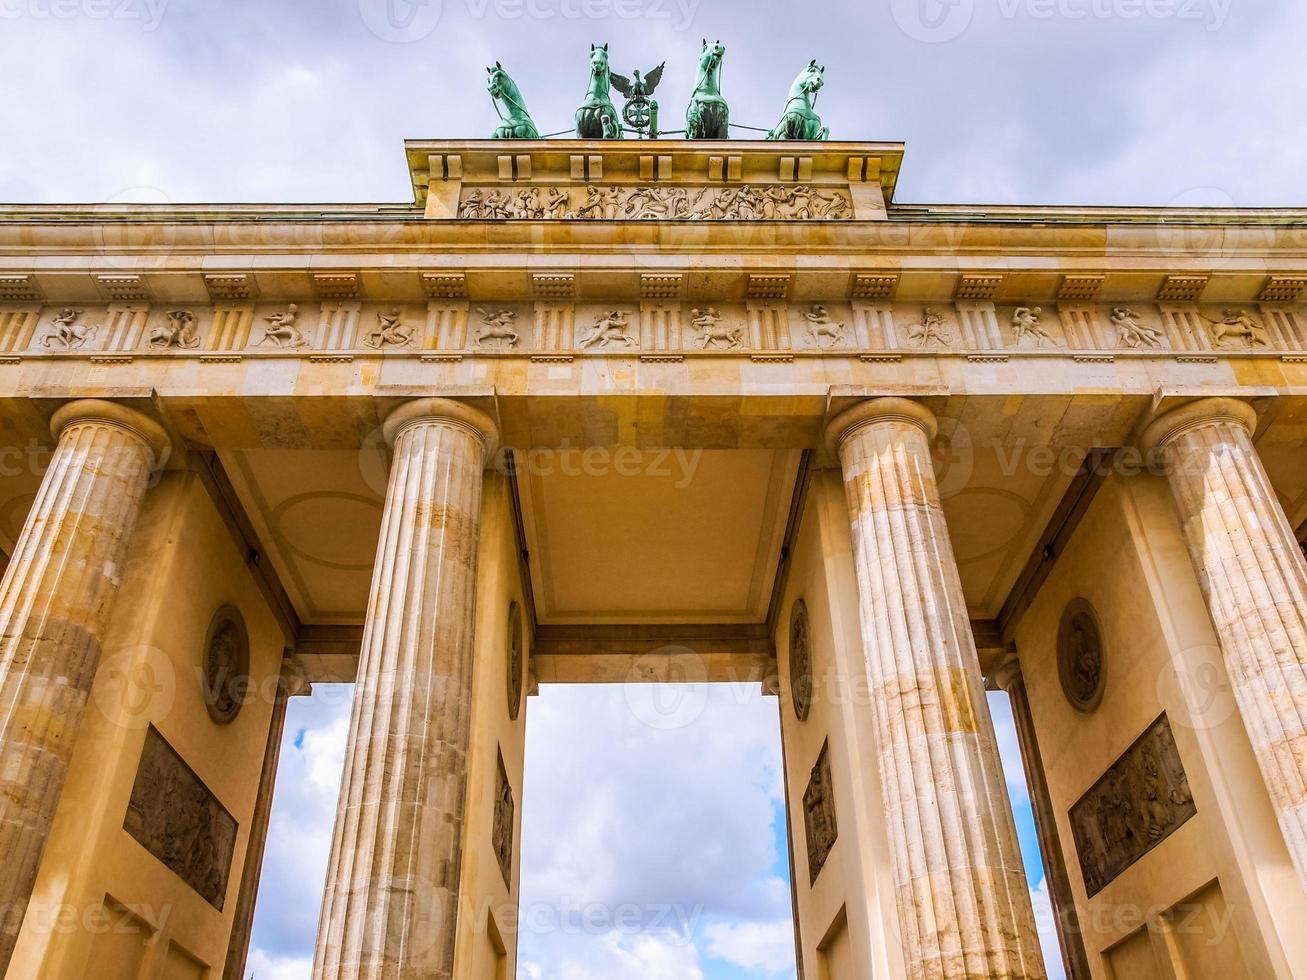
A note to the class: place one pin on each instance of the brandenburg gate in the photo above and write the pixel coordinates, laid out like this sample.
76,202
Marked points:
595,410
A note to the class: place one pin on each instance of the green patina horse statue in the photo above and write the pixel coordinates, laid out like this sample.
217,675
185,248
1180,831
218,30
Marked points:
800,122
597,118
708,116
516,121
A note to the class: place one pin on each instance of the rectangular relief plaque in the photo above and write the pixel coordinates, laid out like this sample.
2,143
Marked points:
819,814
1138,803
501,834
175,817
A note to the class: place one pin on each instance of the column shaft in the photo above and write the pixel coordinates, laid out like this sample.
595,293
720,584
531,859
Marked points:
1254,579
391,903
291,683
1069,934
964,906
55,599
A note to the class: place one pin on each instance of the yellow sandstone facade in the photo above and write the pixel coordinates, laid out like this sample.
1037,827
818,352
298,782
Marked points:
716,411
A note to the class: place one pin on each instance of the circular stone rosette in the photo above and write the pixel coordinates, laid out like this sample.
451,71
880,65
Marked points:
800,660
226,668
1080,662
516,660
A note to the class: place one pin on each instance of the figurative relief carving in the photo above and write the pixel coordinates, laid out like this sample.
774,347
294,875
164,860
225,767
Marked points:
609,328
821,325
281,330
708,323
226,666
1080,656
1130,332
800,660
1237,329
497,326
931,330
1139,802
501,833
175,817
744,203
819,826
178,332
66,333
516,660
390,331
1026,325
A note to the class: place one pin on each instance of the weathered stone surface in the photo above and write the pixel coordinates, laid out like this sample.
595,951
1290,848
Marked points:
175,817
964,907
1254,578
391,900
54,605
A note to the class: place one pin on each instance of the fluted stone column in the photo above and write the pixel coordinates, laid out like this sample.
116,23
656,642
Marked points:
963,902
1008,678
55,600
391,898
1254,579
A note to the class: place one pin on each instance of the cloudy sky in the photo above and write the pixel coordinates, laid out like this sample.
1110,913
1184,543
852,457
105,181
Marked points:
1031,101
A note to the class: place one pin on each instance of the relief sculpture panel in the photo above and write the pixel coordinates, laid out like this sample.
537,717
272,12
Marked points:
749,202
819,824
1139,802
175,817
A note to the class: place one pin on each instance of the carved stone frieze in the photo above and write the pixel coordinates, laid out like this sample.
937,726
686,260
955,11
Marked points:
1139,802
175,817
819,826
749,202
501,835
67,332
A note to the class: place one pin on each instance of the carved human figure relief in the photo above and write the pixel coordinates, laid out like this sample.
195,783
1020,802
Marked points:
1080,665
609,328
504,822
281,330
651,203
178,332
819,824
820,325
496,326
800,660
390,331
1026,325
1139,802
66,333
1237,329
930,330
708,322
1130,332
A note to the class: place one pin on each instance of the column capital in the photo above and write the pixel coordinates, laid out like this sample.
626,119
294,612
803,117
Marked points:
1006,675
1172,424
97,411
442,411
875,411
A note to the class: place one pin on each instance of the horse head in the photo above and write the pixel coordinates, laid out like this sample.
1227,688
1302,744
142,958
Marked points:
598,60
811,79
499,81
710,58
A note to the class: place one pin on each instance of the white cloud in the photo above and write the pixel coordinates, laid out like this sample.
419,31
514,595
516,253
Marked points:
261,966
1046,922
764,947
